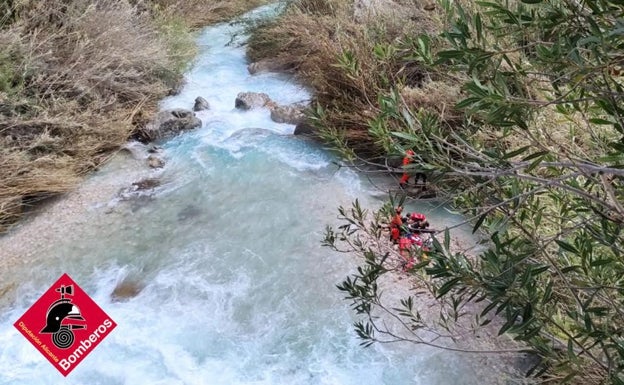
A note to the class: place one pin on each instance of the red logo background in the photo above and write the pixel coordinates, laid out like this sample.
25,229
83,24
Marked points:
98,326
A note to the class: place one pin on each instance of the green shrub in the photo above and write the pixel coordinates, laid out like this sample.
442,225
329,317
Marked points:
536,164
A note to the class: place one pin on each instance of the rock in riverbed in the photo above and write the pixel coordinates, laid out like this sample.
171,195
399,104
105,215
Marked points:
266,65
201,104
125,290
249,100
169,123
305,129
154,161
292,114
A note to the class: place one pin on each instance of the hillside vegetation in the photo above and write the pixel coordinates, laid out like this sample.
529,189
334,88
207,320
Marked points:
77,77
515,111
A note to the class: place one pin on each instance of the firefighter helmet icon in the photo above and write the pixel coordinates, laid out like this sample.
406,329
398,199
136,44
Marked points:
62,317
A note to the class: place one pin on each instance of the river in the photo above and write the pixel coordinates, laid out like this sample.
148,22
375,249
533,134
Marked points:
236,288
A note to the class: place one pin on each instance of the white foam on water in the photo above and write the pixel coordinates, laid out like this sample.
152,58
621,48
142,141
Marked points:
193,324
219,75
237,289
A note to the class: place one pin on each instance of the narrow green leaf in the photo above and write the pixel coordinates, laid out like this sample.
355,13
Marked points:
539,269
448,285
588,322
537,219
405,135
567,247
600,262
543,52
570,348
407,116
467,102
598,310
488,308
535,163
535,155
571,268
503,306
479,26
531,333
477,88
479,223
547,293
600,121
614,158
589,40
516,152
451,54
510,322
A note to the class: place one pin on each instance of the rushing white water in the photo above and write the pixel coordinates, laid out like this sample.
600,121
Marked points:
237,289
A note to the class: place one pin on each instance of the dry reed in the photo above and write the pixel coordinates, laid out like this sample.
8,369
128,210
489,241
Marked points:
78,77
334,45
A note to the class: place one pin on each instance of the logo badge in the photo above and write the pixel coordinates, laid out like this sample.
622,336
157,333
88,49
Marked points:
65,324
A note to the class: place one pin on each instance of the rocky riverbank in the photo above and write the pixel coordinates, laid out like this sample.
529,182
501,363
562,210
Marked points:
67,104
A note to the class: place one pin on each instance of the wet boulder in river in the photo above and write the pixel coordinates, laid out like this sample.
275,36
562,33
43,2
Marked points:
287,114
201,104
266,65
169,123
249,100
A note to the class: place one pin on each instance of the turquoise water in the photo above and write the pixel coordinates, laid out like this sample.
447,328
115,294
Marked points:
237,289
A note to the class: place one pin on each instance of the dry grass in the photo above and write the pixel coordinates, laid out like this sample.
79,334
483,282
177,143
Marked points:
77,77
81,71
436,96
331,45
198,13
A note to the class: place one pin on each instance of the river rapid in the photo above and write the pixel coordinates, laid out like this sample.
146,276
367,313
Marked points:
235,287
